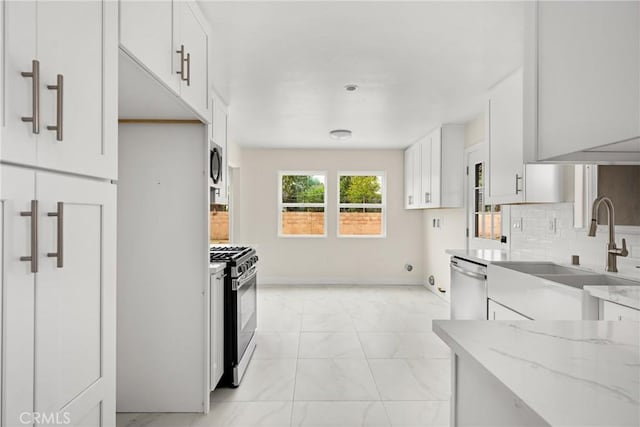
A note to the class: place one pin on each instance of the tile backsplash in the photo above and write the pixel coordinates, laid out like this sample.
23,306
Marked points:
546,230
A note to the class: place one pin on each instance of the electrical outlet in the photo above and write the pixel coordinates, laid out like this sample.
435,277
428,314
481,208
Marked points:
517,224
553,225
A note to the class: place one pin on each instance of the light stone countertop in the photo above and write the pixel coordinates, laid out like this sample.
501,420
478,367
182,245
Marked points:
625,295
567,372
216,267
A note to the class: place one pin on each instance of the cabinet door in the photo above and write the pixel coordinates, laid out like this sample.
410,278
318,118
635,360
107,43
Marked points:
193,35
435,197
75,300
146,32
613,311
78,41
217,328
18,292
409,154
423,173
500,312
18,137
505,136
588,67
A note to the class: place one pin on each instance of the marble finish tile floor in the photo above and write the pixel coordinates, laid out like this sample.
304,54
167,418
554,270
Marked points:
335,356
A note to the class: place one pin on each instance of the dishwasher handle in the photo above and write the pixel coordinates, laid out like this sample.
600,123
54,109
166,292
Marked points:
468,273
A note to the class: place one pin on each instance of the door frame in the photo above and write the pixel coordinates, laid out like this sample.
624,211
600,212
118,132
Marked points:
472,242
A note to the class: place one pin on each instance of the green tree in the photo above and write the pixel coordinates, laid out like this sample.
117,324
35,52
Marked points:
360,189
302,189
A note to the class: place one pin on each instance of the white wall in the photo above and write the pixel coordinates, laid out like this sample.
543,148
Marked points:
329,260
451,233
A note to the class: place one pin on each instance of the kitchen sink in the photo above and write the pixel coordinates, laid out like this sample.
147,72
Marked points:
587,279
542,268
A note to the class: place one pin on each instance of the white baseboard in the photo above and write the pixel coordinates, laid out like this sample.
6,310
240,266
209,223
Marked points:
268,281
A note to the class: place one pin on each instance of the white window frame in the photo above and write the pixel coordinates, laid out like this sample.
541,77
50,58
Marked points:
302,205
382,205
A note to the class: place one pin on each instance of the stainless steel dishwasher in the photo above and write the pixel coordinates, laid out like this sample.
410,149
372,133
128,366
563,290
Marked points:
468,290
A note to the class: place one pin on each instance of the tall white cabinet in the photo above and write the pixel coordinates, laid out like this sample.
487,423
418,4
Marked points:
58,206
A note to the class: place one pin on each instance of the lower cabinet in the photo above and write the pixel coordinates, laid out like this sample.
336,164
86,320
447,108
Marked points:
217,328
59,258
613,311
500,312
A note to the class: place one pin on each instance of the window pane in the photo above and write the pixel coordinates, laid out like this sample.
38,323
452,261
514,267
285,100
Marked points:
302,221
219,224
361,189
303,188
361,222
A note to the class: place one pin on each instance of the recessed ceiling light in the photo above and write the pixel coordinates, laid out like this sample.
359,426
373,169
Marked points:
340,134
351,87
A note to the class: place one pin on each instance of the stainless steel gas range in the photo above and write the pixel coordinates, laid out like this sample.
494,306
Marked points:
240,315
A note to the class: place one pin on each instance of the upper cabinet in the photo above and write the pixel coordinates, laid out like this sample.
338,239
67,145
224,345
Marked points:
582,81
60,90
171,41
509,179
434,170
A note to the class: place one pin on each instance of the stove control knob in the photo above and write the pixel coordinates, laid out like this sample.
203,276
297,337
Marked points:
241,269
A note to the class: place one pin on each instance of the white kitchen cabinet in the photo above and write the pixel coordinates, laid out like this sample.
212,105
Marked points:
192,38
68,95
582,62
412,176
171,41
217,328
612,311
500,312
509,180
219,135
146,33
434,170
59,335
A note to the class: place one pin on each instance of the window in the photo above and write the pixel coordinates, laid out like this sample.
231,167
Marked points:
361,204
487,218
218,223
302,204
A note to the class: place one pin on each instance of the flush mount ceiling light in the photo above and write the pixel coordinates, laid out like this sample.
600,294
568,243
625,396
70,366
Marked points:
340,134
351,87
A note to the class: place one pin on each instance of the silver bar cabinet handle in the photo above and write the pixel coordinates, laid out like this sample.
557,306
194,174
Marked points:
59,88
518,178
33,214
181,52
34,75
427,197
188,69
59,254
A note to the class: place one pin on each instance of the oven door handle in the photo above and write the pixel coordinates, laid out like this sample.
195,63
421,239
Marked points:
237,284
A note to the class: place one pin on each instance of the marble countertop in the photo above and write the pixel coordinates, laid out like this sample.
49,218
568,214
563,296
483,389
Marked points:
625,295
567,372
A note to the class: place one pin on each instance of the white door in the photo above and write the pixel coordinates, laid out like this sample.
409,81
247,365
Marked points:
77,46
505,136
18,291
500,312
75,300
146,31
484,221
19,138
194,85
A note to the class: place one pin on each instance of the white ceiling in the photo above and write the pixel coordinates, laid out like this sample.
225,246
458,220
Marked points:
282,66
